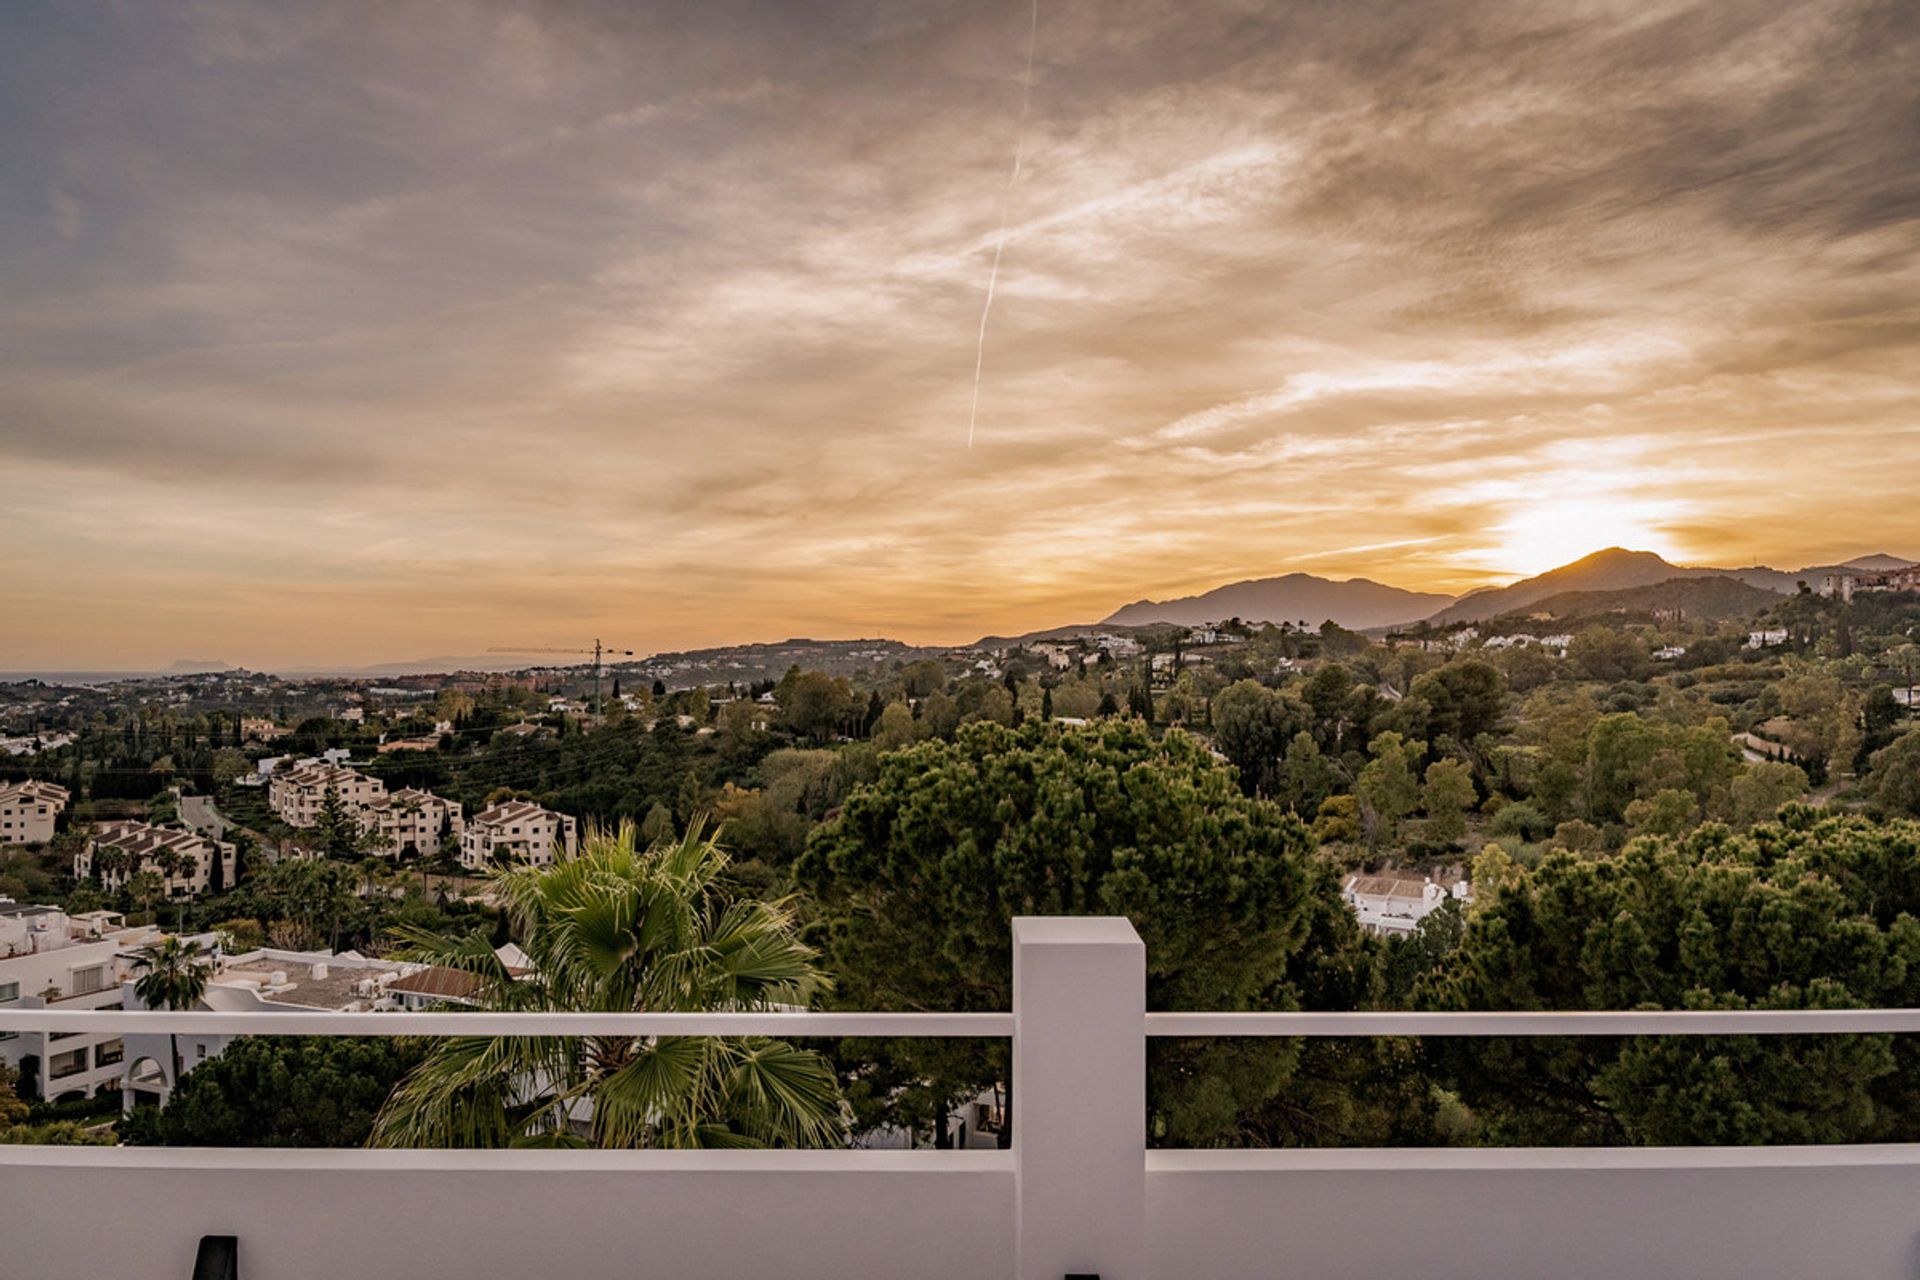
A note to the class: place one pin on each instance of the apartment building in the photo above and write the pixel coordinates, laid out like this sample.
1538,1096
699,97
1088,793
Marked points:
51,960
187,862
297,795
408,821
28,811
515,831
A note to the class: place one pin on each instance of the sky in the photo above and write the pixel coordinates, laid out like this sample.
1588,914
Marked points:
354,332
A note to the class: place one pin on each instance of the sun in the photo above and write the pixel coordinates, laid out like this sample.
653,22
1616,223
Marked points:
1545,534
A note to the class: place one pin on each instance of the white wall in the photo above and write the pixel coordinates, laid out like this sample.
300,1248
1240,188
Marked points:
321,1215
1739,1214
1783,1213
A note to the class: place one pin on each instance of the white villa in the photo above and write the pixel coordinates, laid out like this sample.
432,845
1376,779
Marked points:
1390,904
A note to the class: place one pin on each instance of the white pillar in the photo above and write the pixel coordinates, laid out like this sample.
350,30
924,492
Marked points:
1079,1097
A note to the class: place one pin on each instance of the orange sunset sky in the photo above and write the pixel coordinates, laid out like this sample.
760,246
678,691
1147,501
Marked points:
347,332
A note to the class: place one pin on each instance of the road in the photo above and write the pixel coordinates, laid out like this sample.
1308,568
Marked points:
199,813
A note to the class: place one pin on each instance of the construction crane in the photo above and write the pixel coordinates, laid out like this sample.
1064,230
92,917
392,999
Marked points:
597,651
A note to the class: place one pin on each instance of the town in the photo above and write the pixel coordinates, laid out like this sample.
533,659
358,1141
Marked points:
295,830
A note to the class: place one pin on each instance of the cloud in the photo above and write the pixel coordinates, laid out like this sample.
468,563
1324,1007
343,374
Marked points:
445,313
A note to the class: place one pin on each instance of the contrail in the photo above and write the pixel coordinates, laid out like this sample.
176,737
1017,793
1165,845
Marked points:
1000,237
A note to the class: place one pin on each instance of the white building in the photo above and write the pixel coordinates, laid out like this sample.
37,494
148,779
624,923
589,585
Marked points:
28,811
1060,657
515,831
1391,904
33,744
297,795
50,960
261,981
182,858
408,821
1771,638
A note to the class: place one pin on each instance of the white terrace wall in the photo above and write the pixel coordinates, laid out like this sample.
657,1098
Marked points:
508,1215
1077,1194
1782,1213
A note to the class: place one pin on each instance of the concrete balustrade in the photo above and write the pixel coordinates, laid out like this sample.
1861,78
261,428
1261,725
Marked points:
1077,1194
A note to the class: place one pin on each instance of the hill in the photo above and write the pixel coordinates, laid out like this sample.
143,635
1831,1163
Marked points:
1356,603
1711,599
1075,631
1615,569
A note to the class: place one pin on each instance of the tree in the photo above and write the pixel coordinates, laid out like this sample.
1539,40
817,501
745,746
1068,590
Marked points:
1465,699
143,886
307,902
1388,789
229,764
12,1110
621,928
1252,726
1761,789
1667,812
922,871
280,1091
1894,781
173,976
336,831
1446,794
1307,777
1337,821
895,728
816,705
1812,912
657,825
1601,653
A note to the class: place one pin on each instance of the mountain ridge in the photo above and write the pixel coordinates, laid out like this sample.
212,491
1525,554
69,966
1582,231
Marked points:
1355,603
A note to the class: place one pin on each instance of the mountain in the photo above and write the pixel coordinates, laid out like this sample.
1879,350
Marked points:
197,667
1878,563
1355,604
1615,569
1709,599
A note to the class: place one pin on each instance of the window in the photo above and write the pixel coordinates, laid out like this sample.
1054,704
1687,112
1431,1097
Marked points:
9,991
109,1053
70,1063
88,981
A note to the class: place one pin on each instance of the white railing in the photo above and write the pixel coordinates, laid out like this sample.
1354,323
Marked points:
293,1022
1078,1193
1643,1022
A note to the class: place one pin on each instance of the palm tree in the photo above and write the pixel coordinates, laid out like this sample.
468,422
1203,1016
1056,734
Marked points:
175,978
109,862
617,928
142,887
